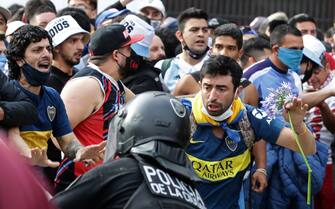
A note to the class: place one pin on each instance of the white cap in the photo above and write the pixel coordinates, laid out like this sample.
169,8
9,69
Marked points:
313,49
157,4
135,26
13,26
63,27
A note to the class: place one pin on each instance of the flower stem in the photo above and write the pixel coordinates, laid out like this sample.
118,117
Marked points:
305,159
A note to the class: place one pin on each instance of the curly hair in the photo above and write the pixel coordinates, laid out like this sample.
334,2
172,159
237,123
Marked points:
21,39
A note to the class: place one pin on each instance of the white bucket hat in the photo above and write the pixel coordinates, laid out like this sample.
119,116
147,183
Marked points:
313,49
63,27
136,26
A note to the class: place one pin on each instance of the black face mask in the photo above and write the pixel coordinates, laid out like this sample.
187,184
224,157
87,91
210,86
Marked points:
309,71
195,55
132,62
33,76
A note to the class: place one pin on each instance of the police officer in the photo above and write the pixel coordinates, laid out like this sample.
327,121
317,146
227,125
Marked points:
149,136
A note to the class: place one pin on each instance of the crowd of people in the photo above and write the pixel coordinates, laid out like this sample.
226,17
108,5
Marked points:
137,109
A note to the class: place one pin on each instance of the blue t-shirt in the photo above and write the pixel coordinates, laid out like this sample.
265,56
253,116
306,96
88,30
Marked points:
258,66
52,116
272,77
221,163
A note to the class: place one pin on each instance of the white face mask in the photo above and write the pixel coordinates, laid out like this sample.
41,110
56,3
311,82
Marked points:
222,117
155,23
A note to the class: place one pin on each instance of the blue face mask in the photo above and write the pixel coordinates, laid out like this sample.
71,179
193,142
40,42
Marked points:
34,76
3,61
291,58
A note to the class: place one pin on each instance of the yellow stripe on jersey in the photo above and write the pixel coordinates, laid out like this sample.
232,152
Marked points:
37,139
220,170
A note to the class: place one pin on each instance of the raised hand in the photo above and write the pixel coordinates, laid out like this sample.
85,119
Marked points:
91,153
39,157
297,111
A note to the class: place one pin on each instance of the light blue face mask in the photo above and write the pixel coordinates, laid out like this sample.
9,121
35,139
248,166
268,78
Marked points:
3,61
291,58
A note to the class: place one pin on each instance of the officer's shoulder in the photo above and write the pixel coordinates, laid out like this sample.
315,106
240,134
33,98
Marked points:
122,164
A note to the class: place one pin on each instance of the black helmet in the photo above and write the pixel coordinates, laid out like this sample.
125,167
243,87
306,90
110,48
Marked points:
150,116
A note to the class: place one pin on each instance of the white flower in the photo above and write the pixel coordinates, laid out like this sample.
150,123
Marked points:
274,102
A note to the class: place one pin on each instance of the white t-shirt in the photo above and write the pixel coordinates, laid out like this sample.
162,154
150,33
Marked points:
178,69
314,118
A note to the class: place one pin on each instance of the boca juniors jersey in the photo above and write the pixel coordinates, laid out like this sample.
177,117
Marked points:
221,163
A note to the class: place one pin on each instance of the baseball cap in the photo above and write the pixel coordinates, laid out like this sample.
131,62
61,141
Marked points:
257,22
5,12
13,26
63,27
112,37
136,26
313,49
109,14
157,4
216,22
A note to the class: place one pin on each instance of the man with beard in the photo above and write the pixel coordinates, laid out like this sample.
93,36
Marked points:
193,36
95,94
157,50
29,58
68,41
221,137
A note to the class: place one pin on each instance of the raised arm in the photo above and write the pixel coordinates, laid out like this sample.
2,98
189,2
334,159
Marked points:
316,97
297,111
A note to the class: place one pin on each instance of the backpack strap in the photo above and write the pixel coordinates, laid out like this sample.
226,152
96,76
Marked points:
165,65
247,131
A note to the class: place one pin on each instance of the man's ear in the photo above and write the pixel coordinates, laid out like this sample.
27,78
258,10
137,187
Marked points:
179,36
275,49
20,62
238,92
56,49
115,55
240,53
24,18
251,60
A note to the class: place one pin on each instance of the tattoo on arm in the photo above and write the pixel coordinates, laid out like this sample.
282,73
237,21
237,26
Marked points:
71,149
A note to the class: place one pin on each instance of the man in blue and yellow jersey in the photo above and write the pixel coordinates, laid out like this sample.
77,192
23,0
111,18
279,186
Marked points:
30,56
219,145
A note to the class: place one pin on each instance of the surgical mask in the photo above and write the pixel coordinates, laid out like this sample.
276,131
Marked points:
222,117
34,76
291,58
3,61
195,55
155,23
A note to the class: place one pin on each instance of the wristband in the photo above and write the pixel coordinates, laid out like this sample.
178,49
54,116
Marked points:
262,170
303,132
